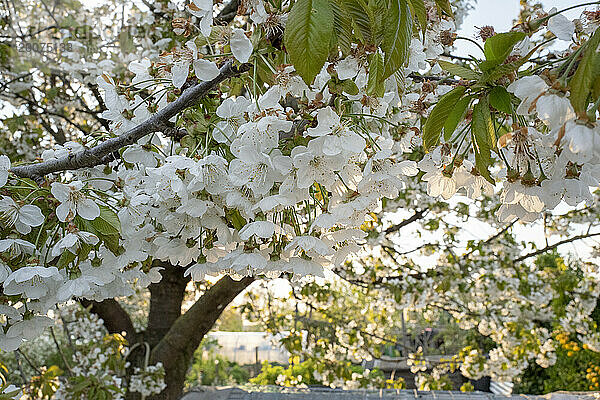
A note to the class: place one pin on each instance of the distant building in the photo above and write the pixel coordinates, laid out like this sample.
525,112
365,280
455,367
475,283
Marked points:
249,347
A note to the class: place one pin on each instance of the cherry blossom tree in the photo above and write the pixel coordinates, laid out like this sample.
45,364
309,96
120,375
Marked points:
149,147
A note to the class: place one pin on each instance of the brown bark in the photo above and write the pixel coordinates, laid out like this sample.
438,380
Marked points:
157,122
166,297
116,319
176,349
172,337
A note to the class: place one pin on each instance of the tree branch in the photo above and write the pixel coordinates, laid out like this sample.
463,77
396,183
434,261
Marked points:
419,214
166,297
116,319
228,13
555,245
95,155
493,237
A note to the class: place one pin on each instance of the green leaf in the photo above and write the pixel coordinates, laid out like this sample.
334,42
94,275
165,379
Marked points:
108,222
66,258
483,161
350,87
107,227
500,99
493,74
456,115
596,74
438,116
397,33
484,137
581,82
363,18
499,71
444,5
482,123
342,26
308,35
236,219
498,47
459,70
419,10
375,85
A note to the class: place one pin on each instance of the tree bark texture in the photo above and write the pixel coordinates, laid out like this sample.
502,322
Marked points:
172,337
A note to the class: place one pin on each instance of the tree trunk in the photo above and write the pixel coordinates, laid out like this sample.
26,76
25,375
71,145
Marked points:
172,337
166,297
176,348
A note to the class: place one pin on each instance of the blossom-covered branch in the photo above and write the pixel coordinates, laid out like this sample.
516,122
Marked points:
157,122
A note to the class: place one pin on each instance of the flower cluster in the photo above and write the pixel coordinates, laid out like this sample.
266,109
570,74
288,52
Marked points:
281,170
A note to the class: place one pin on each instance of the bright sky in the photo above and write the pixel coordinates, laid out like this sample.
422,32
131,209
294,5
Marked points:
500,14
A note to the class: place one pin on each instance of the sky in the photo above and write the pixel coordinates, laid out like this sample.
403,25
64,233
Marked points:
500,14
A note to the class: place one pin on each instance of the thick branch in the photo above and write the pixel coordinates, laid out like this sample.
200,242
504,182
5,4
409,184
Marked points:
176,348
95,155
228,12
116,319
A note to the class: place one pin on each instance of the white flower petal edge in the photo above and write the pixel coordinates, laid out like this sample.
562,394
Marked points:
561,26
205,70
241,47
4,167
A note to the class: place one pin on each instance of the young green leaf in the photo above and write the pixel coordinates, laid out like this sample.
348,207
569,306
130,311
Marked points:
483,127
484,137
364,20
497,72
456,115
596,74
581,82
308,36
444,5
459,70
438,116
107,227
342,26
66,258
375,83
500,99
498,47
350,87
397,33
482,159
419,10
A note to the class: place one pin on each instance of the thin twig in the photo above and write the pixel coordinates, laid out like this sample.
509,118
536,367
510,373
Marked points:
62,354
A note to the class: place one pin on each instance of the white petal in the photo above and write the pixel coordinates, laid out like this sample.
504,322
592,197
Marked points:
240,45
87,209
4,162
262,229
204,5
22,228
347,68
562,27
31,215
62,211
60,191
180,72
205,70
206,24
